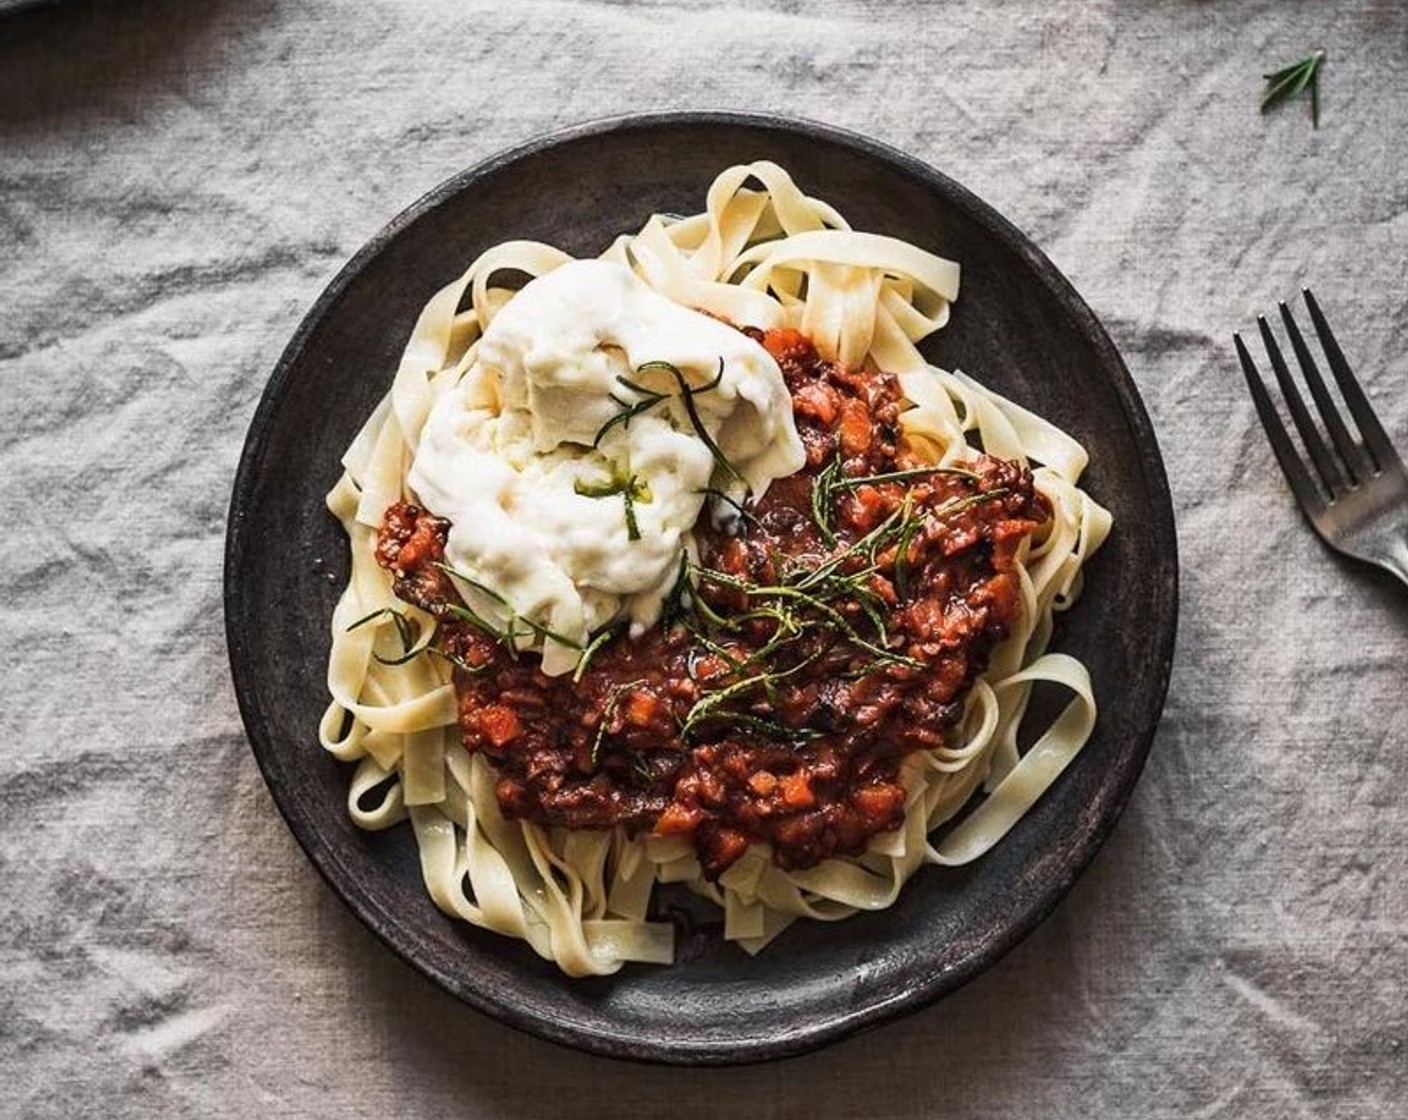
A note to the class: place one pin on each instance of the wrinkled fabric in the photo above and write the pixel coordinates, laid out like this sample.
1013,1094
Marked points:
179,180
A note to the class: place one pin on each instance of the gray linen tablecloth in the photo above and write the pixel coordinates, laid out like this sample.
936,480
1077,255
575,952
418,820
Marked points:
177,183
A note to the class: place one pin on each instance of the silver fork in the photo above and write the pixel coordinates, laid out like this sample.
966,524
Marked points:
1356,495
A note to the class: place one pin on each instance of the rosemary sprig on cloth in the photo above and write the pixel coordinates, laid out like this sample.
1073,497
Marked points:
1293,80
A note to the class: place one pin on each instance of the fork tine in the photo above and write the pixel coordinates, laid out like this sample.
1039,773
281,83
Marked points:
1375,438
1325,465
1291,466
1350,452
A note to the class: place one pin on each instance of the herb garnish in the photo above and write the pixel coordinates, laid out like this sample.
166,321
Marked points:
1292,80
711,704
744,513
457,661
621,481
602,636
607,713
806,609
407,629
823,498
830,481
849,483
507,637
641,771
649,398
687,396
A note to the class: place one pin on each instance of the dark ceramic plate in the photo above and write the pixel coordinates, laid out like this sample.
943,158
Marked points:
1018,325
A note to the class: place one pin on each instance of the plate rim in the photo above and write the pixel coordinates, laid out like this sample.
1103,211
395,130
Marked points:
928,989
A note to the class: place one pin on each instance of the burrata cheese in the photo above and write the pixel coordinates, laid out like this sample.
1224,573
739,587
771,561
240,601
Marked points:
537,513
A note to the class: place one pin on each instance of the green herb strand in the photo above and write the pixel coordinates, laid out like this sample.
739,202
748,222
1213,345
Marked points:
899,476
745,515
509,635
823,498
1290,81
631,489
459,662
687,395
407,629
607,713
602,636
629,409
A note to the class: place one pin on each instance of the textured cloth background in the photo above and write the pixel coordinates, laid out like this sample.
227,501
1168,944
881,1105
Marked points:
179,180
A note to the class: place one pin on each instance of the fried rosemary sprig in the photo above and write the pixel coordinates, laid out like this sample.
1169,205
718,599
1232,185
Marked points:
623,482
706,706
806,606
821,600
802,606
830,481
823,498
407,629
609,710
599,639
508,637
457,661
687,395
745,515
685,392
850,482
649,398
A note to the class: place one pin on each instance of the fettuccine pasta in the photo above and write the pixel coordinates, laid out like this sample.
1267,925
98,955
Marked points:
762,254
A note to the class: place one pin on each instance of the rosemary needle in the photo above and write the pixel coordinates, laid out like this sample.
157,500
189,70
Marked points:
1293,80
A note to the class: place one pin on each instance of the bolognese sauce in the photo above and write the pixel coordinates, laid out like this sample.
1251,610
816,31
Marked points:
825,632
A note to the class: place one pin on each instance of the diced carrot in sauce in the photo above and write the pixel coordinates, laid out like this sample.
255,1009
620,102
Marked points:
677,818
423,544
710,666
499,724
733,557
797,791
786,344
878,802
641,708
818,401
722,846
855,428
864,508
883,588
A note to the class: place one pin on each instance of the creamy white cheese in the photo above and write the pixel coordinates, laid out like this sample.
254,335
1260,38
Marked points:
506,454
